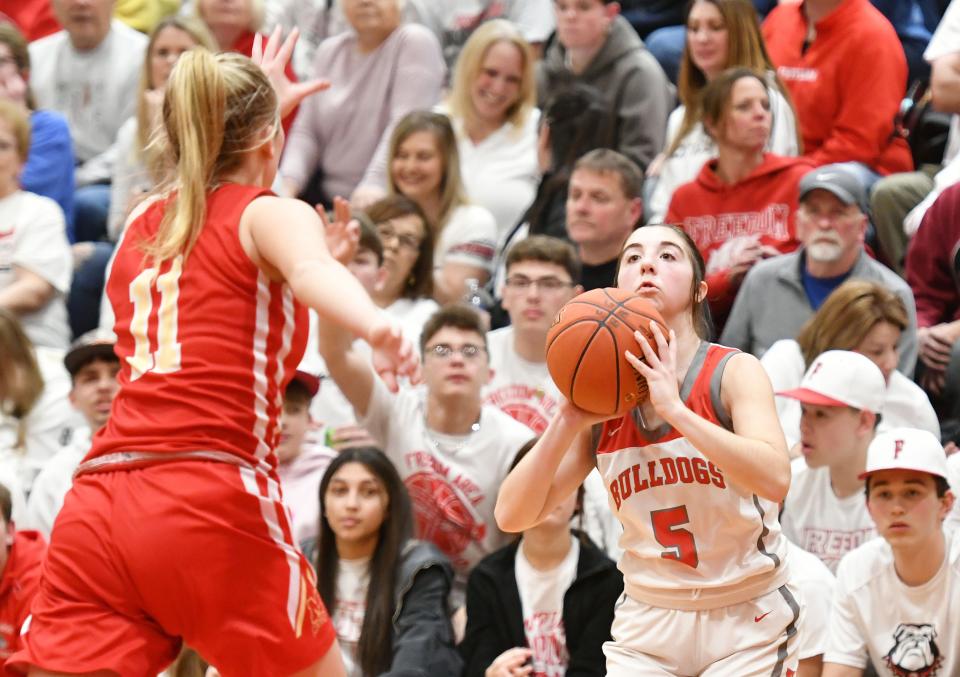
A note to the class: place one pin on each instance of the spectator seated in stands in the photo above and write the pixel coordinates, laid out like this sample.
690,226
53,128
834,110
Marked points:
846,71
779,294
492,108
452,451
603,208
841,396
386,593
741,208
379,71
897,598
425,166
21,558
864,317
35,261
721,34
302,457
49,168
596,46
544,601
88,72
93,368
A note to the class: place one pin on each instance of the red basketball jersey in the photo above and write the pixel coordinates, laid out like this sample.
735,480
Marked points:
207,345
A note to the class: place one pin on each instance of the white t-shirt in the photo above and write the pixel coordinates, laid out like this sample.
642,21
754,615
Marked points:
541,598
453,481
697,147
906,405
96,90
33,236
904,630
819,522
300,482
412,314
53,483
501,173
353,579
816,585
469,237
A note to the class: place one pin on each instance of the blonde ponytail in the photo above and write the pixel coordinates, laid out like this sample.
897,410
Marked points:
216,108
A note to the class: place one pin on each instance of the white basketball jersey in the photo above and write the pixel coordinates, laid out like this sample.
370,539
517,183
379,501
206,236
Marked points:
692,540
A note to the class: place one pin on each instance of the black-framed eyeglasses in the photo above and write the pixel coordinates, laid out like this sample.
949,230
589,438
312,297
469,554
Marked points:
386,233
442,351
545,284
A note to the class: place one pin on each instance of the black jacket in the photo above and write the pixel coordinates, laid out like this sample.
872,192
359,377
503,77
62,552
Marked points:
495,615
422,634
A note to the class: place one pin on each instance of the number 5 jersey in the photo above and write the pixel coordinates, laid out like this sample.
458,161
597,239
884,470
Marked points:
692,539
206,342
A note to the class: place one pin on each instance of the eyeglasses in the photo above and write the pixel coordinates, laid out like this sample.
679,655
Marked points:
468,351
386,233
545,284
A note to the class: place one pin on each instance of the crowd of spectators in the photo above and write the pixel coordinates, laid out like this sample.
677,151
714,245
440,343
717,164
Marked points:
497,154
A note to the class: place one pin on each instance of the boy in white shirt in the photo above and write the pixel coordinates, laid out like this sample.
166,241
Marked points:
840,398
451,451
898,597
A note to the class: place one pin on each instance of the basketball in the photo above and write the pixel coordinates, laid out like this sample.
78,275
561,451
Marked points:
586,344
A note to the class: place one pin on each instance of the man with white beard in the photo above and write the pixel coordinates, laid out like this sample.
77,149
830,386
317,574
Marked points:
780,294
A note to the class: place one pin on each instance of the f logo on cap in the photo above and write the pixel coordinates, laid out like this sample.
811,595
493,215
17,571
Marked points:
897,448
816,368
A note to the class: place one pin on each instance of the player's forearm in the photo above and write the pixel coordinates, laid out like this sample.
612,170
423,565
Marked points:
526,492
336,295
753,465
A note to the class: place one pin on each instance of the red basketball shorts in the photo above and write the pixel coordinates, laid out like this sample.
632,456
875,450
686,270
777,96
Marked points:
194,551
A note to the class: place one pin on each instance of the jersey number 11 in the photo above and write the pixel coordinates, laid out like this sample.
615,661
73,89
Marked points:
166,358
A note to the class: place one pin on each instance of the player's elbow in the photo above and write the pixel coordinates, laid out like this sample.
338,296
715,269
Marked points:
776,481
507,517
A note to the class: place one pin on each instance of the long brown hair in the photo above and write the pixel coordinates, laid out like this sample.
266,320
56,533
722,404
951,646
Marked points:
375,647
21,383
847,316
239,113
745,47
717,94
13,38
452,193
419,284
698,303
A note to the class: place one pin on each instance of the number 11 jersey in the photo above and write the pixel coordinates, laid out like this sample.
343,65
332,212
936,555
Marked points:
207,344
691,538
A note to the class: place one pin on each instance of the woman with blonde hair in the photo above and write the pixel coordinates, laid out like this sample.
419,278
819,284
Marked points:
138,168
492,108
424,166
721,34
210,288
864,317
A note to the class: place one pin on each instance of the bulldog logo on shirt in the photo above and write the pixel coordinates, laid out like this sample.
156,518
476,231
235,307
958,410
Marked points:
914,652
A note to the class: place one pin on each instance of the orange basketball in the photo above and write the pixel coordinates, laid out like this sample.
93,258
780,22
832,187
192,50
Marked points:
586,344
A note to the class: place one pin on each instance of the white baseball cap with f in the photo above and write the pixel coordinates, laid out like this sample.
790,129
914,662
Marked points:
842,378
906,449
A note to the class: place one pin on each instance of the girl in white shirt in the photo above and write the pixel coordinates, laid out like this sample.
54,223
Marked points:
387,594
424,165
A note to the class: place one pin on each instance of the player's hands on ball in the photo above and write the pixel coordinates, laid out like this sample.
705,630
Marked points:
394,356
659,368
511,663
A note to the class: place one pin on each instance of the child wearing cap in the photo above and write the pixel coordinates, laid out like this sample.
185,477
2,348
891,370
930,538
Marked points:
897,599
840,397
302,457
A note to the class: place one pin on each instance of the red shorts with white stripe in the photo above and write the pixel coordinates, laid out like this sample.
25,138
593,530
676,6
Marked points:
194,551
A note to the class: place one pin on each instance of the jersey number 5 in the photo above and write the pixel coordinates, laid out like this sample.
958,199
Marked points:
679,543
166,358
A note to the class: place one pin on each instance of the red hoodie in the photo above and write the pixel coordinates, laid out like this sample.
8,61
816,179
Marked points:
21,578
847,86
763,204
930,261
